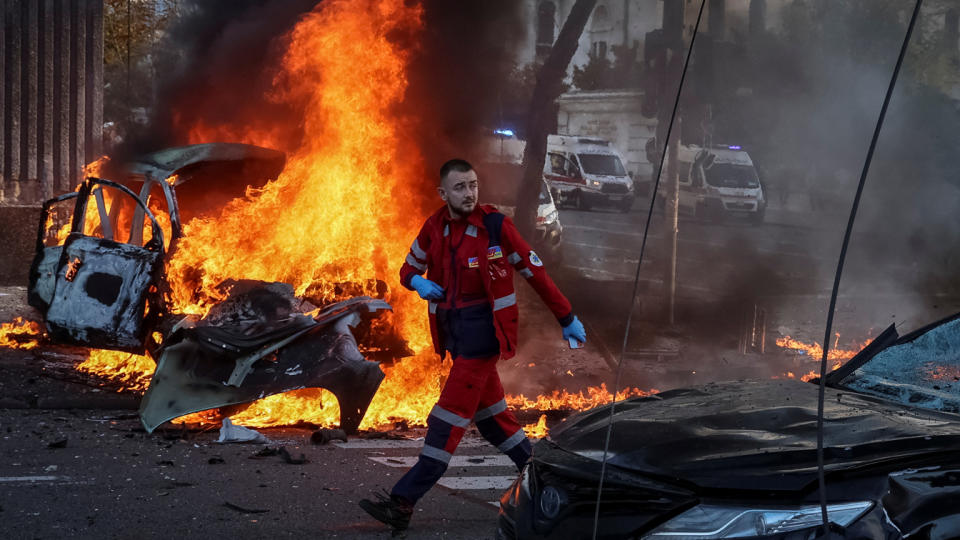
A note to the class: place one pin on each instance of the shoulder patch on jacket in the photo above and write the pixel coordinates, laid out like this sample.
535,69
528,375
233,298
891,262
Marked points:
535,259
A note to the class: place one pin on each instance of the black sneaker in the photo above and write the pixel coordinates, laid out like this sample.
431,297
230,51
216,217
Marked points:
391,510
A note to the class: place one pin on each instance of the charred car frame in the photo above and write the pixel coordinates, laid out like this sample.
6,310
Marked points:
99,282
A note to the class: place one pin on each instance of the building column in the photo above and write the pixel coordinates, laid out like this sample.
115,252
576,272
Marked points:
63,178
951,34
45,101
11,103
78,86
758,17
717,19
94,91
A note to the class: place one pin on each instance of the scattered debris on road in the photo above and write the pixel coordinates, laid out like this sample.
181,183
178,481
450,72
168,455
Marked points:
230,433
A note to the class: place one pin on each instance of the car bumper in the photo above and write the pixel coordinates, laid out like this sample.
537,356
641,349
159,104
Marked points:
596,198
732,207
519,517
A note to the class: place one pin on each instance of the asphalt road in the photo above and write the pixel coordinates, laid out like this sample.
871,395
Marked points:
732,276
604,245
112,480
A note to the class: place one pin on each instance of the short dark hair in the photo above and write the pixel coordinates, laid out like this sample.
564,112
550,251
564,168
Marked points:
459,165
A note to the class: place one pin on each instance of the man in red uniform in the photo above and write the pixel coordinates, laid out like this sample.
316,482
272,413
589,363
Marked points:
469,253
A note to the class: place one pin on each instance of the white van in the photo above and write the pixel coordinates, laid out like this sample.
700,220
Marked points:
718,181
587,172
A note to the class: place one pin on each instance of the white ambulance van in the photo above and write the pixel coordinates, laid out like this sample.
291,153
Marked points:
717,181
587,172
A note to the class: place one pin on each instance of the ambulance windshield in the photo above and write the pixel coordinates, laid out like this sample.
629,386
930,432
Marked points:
728,175
602,164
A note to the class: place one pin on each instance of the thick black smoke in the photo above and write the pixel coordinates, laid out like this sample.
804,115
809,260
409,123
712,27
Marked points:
459,75
804,98
217,65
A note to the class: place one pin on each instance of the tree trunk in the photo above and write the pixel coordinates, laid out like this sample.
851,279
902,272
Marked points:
547,90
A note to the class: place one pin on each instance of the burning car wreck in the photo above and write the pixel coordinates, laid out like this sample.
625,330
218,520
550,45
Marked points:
98,279
738,459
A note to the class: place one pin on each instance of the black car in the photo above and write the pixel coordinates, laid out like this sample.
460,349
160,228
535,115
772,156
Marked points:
738,459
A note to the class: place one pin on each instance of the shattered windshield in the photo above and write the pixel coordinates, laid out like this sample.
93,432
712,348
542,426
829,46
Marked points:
728,175
923,372
602,164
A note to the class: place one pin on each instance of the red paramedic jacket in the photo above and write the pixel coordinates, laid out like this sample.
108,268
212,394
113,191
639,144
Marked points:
481,268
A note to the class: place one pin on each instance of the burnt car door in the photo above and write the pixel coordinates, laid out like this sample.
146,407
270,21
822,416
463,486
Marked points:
54,227
100,286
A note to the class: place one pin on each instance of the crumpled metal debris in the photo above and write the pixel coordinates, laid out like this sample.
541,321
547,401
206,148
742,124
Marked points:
257,344
324,436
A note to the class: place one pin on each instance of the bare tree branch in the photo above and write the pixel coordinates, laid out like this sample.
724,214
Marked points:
549,84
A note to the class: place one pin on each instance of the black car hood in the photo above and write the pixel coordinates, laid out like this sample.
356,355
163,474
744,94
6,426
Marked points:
755,434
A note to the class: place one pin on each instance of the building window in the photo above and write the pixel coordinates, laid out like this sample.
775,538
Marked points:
599,49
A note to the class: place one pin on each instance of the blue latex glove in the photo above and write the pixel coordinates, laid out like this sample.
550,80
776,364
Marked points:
428,290
575,330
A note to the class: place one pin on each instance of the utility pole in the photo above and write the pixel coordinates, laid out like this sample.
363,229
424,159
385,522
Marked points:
673,218
673,17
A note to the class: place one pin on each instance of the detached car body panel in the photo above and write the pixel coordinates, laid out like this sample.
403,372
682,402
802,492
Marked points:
204,367
707,456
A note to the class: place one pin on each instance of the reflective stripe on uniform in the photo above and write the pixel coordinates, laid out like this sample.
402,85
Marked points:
446,230
525,272
432,307
451,418
512,441
418,252
412,261
513,258
492,410
436,453
504,301
472,230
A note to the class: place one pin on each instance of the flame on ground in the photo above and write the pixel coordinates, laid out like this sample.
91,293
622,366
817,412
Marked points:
20,334
815,351
564,400
538,429
131,371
